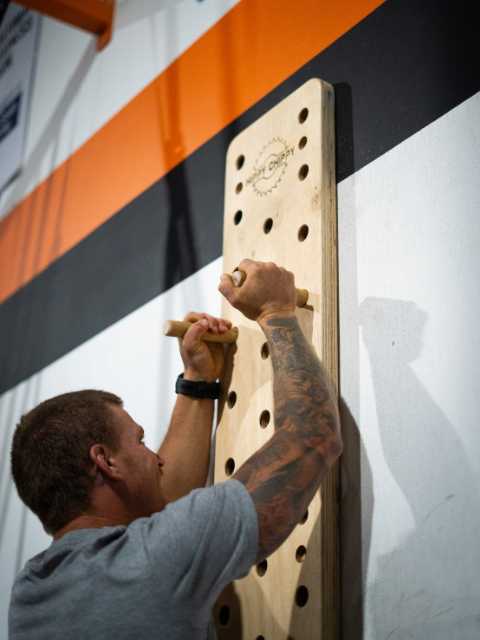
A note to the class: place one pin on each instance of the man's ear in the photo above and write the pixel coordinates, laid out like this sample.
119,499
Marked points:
104,462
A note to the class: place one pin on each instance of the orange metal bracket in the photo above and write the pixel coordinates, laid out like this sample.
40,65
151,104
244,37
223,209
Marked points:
94,16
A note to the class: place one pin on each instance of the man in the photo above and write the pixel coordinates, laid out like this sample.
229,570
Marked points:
137,552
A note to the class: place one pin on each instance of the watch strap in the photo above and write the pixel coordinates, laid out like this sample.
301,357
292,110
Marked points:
198,389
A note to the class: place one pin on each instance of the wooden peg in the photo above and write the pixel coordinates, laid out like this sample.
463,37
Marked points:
238,278
175,329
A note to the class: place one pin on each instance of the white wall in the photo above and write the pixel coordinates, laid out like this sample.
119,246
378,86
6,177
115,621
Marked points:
409,238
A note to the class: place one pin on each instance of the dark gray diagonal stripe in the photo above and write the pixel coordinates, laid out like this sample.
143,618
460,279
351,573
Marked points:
401,68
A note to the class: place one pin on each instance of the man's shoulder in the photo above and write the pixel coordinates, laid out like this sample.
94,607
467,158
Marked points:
200,508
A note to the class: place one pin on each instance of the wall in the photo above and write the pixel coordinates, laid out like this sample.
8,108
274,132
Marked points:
115,225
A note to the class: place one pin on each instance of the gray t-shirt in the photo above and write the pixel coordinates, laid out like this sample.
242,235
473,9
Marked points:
158,578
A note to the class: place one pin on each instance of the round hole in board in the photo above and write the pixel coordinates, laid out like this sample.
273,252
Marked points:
240,162
303,115
264,351
303,142
300,553
305,517
237,217
267,225
264,419
239,187
259,638
231,400
303,232
303,172
229,466
224,615
301,596
262,568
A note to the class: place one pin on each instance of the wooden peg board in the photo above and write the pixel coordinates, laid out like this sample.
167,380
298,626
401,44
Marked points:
280,206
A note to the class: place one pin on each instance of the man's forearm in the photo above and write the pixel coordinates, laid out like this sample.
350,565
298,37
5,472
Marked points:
283,476
186,447
305,402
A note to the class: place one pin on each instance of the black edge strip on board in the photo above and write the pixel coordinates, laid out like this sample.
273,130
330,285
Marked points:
401,68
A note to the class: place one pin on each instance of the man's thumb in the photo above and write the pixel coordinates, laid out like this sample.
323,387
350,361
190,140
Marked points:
226,286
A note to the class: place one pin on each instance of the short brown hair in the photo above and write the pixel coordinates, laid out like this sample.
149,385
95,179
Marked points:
51,452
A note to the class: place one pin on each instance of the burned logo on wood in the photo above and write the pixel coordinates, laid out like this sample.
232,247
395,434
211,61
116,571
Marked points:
270,166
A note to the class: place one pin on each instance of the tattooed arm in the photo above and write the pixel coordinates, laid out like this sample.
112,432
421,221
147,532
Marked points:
283,476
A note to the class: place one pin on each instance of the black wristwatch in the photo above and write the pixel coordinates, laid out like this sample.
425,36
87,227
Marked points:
199,389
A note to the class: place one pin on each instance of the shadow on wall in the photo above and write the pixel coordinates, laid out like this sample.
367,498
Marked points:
355,522
129,12
356,482
428,586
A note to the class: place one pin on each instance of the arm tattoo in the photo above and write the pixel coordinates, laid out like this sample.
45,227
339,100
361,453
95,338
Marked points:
283,476
304,398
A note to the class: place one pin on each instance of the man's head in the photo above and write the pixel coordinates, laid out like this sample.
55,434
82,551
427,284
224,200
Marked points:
77,443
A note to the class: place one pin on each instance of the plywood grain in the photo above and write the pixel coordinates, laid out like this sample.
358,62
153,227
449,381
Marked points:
280,206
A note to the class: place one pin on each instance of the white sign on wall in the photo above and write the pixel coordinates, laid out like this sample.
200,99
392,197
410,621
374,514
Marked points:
18,38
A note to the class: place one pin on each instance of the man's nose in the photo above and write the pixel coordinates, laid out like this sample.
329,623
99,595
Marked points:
161,461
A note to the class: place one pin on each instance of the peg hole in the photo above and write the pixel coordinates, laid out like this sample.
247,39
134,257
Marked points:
301,596
303,115
267,225
264,351
237,217
303,142
305,517
232,399
262,568
259,638
229,466
264,419
301,553
240,162
302,172
239,187
303,232
224,615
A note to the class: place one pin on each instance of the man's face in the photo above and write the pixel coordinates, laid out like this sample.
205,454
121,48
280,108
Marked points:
140,467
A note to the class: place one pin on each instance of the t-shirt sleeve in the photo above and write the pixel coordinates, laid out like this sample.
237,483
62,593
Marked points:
203,541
